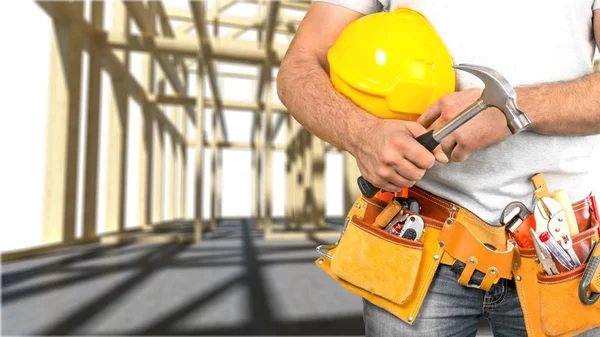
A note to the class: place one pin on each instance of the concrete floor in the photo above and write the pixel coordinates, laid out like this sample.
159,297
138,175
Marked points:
231,283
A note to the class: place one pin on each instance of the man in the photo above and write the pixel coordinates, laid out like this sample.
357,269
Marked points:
544,48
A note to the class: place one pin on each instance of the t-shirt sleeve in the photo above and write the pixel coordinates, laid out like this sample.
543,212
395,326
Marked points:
361,6
596,5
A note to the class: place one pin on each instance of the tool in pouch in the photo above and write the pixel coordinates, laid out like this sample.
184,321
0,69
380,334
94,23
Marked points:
497,93
590,282
552,227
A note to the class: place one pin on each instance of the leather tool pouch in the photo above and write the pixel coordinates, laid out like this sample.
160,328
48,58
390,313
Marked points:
551,305
389,271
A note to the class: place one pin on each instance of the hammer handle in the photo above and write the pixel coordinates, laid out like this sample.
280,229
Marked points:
432,139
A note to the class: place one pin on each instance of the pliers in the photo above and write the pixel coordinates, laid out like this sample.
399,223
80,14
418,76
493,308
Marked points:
550,217
543,255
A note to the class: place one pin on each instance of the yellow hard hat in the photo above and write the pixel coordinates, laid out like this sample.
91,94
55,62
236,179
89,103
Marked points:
393,65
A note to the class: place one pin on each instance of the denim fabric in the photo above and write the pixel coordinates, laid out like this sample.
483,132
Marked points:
450,309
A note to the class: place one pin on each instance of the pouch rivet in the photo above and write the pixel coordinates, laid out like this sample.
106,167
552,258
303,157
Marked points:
410,319
471,260
441,244
493,271
449,222
516,266
436,257
453,209
356,205
320,261
364,205
518,278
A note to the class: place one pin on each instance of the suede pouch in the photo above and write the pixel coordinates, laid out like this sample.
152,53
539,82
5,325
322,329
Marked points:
551,305
391,272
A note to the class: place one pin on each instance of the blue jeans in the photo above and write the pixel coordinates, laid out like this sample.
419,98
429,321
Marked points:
450,309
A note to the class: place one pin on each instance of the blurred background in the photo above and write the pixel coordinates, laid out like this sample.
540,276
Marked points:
154,184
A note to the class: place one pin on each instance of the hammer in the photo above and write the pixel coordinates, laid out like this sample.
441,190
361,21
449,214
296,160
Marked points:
497,93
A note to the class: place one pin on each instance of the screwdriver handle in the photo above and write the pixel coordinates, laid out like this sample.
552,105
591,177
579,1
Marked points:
427,140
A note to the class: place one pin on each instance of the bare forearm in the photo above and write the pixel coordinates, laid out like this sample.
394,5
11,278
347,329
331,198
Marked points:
305,89
567,108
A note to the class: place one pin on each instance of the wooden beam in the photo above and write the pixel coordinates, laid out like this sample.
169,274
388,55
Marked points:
90,193
140,14
60,199
199,14
318,180
116,182
173,163
145,210
199,156
159,166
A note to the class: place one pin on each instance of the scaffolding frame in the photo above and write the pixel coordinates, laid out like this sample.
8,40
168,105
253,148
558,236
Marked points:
176,54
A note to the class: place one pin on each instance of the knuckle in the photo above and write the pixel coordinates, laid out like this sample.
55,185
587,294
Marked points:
383,172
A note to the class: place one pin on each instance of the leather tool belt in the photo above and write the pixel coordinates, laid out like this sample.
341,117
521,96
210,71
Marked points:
394,273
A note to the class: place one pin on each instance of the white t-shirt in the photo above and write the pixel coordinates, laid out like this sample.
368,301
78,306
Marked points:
528,42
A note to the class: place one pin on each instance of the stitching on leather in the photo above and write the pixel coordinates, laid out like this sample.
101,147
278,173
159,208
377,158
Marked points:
442,203
525,309
563,280
424,290
387,239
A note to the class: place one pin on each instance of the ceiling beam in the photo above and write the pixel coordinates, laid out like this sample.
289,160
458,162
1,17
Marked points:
141,16
264,75
223,50
199,14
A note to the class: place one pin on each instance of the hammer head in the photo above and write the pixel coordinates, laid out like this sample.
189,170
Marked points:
500,94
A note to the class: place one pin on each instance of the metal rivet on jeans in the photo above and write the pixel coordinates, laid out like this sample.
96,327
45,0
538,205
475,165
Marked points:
453,209
493,271
518,278
449,222
364,205
472,260
410,319
356,205
436,257
320,261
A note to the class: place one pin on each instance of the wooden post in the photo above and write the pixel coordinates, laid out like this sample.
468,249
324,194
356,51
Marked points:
183,126
213,166
90,194
147,141
63,132
159,164
318,180
172,158
118,132
199,166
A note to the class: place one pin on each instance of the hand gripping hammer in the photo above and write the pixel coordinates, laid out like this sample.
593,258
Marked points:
497,93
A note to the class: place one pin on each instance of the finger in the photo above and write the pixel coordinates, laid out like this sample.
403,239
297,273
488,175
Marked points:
398,182
448,145
440,156
390,176
432,113
459,153
416,152
408,170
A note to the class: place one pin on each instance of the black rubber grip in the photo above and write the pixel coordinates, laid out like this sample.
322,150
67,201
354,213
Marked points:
428,141
366,188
